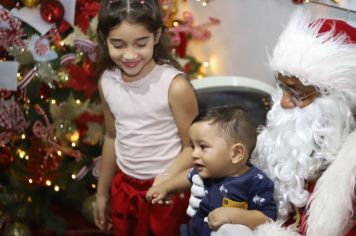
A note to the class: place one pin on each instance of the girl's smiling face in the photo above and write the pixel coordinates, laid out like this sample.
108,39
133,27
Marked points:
131,48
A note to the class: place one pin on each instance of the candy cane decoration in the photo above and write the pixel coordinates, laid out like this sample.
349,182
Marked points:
27,79
54,36
42,113
46,131
95,169
86,46
67,59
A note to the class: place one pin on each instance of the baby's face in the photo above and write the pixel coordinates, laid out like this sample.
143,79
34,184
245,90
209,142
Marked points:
212,153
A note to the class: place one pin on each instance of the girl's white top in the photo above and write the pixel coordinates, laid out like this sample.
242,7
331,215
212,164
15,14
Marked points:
147,138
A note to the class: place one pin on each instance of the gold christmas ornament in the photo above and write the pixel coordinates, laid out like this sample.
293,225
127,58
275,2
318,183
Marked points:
94,134
88,207
72,136
169,5
169,10
30,3
17,229
62,76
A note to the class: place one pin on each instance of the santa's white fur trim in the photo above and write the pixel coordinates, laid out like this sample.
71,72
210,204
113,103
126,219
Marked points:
331,205
324,60
274,229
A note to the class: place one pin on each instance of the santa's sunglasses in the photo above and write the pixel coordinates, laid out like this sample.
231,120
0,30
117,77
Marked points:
295,97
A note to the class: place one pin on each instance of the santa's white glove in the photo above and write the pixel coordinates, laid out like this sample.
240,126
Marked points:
197,193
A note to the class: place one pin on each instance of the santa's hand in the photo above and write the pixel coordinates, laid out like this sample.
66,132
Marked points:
197,193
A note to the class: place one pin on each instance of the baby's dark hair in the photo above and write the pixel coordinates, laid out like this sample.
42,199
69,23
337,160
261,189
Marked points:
145,12
235,123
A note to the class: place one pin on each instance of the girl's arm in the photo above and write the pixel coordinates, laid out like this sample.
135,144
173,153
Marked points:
108,165
184,106
108,168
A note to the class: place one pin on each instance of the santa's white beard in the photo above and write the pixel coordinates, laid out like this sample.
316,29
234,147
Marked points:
298,144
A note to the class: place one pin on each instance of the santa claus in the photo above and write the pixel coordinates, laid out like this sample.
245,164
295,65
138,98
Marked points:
308,146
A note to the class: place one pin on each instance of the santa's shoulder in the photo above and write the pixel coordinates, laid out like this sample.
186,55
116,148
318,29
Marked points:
334,219
348,147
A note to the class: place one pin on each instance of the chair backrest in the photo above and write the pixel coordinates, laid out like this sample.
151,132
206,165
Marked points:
251,94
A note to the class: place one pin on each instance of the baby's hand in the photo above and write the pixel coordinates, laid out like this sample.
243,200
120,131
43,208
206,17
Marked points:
156,194
217,218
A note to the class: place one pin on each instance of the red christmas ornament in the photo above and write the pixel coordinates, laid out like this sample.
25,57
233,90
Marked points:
3,54
9,4
44,91
298,1
64,27
4,93
52,11
5,157
181,49
187,68
41,166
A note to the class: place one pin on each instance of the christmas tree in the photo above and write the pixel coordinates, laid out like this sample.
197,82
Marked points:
51,123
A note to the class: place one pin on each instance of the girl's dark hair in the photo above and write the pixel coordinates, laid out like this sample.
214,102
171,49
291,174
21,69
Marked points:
235,123
144,12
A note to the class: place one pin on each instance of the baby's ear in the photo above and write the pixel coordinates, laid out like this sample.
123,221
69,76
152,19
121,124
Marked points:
239,151
157,35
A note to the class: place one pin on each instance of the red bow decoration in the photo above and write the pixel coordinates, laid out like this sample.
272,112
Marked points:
186,31
12,120
82,122
199,32
85,10
11,34
82,78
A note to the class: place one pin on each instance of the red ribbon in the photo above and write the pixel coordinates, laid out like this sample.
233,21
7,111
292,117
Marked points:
12,34
12,120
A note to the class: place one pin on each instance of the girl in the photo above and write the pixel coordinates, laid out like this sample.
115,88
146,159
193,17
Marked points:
148,108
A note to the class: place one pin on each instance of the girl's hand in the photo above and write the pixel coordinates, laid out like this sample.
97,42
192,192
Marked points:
217,218
161,178
101,213
156,194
